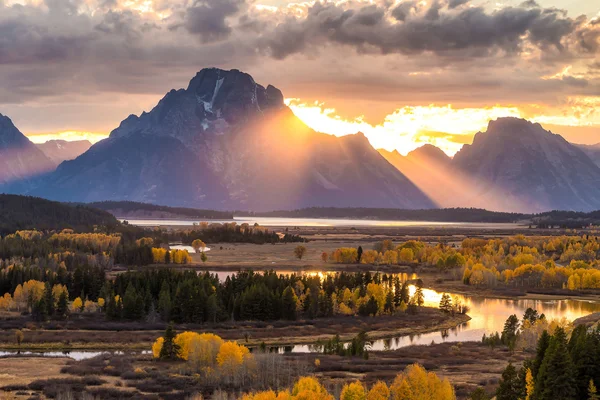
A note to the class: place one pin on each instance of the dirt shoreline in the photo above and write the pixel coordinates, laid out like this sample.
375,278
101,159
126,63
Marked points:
314,332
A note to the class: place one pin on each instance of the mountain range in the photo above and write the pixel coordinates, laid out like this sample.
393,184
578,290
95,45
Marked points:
62,150
226,142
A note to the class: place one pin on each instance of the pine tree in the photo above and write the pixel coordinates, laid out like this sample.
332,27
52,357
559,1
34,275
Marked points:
49,299
62,308
389,303
542,346
170,350
446,303
164,302
397,292
419,297
509,333
508,388
555,379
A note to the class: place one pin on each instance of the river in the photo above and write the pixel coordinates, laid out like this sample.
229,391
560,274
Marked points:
487,316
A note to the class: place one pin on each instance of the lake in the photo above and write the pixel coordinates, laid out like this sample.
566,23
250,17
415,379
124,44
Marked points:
324,222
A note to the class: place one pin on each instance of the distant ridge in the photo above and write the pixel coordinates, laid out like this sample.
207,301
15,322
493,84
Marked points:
25,212
131,209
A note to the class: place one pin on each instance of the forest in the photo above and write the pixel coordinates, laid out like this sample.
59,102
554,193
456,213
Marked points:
23,213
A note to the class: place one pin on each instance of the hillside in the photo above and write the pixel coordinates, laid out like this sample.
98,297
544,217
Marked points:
24,212
130,209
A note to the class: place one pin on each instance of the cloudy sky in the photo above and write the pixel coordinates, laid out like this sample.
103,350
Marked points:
404,72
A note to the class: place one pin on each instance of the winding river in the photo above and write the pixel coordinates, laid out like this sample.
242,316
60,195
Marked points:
487,316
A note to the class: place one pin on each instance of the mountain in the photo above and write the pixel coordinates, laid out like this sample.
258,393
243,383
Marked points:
430,169
520,166
226,142
592,151
61,150
20,160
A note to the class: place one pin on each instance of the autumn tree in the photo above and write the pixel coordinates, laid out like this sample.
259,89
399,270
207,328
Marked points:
289,304
19,336
353,391
416,383
379,391
198,245
592,392
299,252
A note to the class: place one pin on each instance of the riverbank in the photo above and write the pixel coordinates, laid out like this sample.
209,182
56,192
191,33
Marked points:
433,281
275,333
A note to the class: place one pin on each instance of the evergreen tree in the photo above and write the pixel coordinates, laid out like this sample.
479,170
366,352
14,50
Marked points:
170,350
397,292
389,303
49,299
359,253
62,308
542,346
212,308
419,299
446,303
509,333
509,387
164,302
555,379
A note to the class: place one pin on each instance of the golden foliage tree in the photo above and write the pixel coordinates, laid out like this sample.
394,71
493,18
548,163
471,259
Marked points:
379,391
353,391
415,383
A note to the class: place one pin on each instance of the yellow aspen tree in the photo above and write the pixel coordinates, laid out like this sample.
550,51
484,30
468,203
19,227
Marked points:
379,391
353,391
529,384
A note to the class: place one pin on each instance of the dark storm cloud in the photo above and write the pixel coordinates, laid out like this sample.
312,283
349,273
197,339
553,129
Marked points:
208,18
24,43
61,48
441,28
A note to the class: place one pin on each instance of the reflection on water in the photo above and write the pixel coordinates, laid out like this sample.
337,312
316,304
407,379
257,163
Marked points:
487,316
224,274
324,222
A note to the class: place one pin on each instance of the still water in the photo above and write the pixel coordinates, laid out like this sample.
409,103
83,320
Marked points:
487,316
324,222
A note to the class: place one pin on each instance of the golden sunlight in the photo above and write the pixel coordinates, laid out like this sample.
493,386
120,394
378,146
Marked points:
408,127
444,126
69,136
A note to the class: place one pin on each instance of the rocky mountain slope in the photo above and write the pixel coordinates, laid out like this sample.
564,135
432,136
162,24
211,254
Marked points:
227,142
518,165
592,151
61,150
20,160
